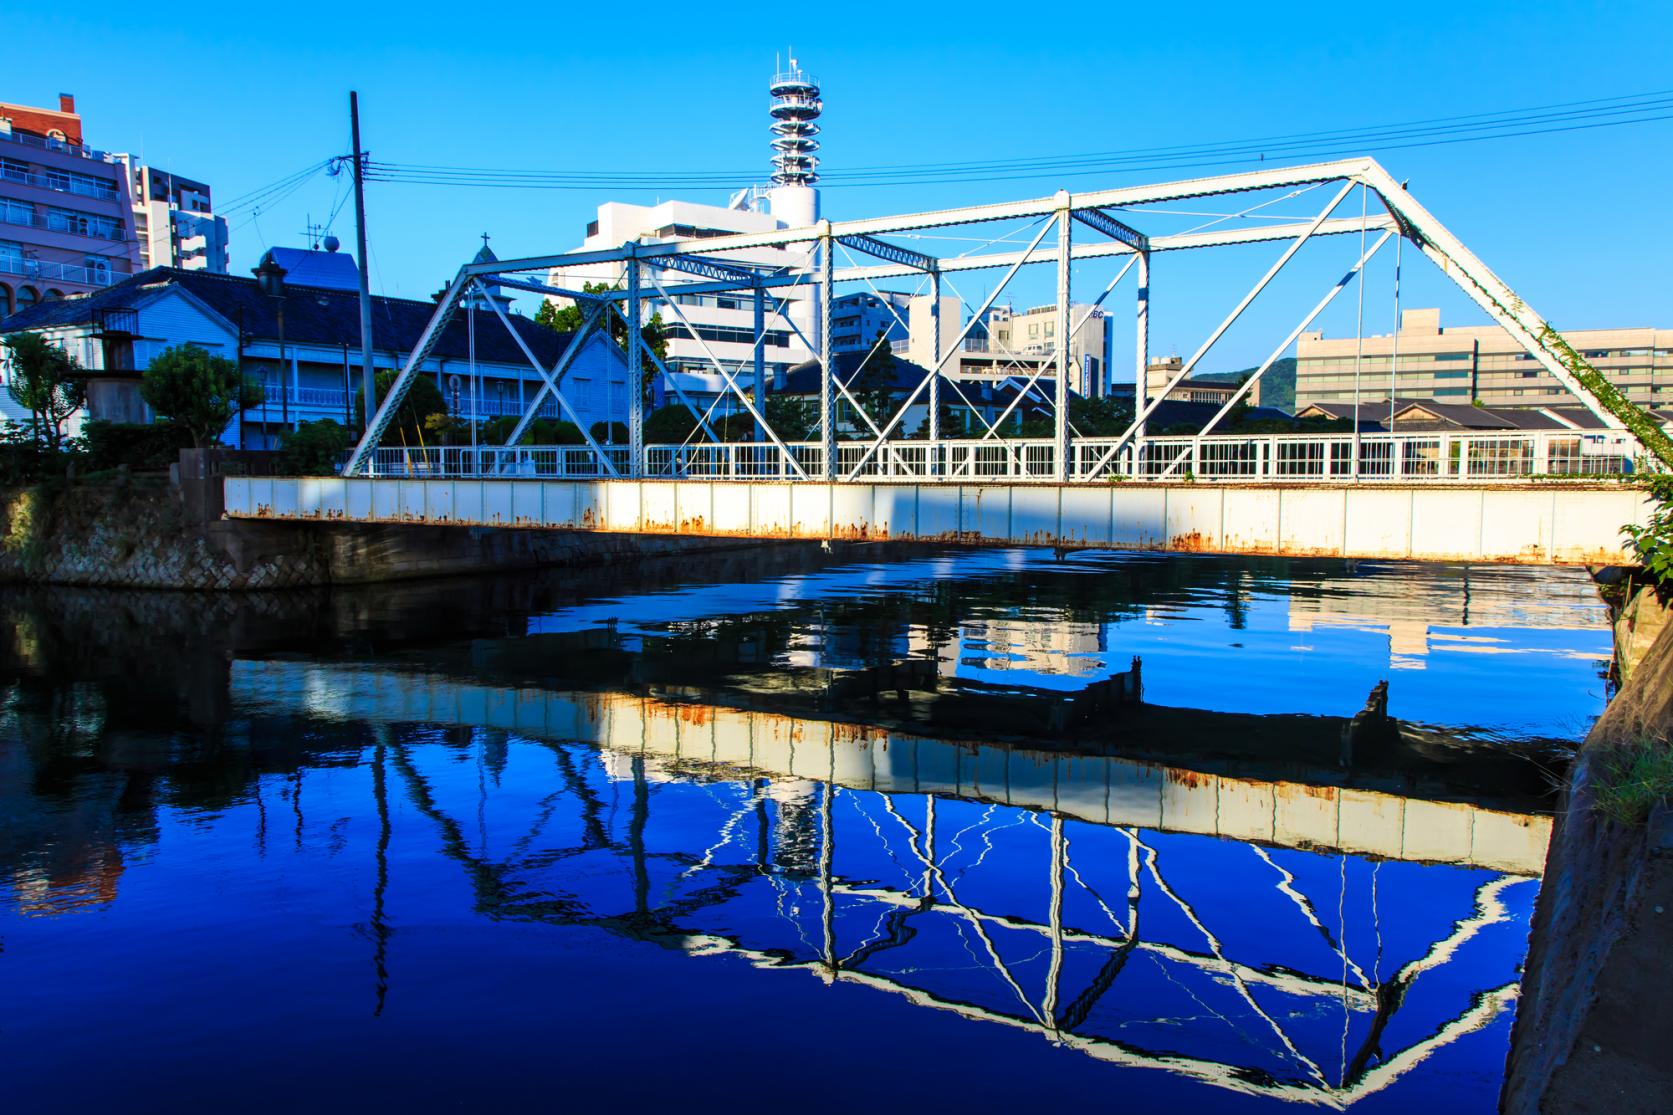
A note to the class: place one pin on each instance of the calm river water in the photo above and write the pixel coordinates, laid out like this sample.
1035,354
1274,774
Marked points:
641,840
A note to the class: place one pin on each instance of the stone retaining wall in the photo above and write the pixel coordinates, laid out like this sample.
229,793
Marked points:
1591,1028
144,532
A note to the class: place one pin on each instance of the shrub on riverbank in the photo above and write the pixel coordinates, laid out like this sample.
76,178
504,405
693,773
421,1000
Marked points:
313,448
1653,542
150,447
1633,779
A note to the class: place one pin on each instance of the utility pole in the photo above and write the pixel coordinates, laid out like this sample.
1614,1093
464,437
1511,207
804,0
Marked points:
368,384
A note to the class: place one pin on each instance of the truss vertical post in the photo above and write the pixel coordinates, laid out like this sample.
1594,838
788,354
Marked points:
1060,410
1141,375
760,359
935,368
827,369
635,366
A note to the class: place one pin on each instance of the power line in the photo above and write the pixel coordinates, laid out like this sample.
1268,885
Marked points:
1474,127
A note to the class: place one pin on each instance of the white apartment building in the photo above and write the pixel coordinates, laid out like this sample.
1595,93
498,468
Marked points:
174,220
857,319
721,325
1013,343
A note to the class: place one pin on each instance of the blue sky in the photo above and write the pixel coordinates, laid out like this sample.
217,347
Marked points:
1576,222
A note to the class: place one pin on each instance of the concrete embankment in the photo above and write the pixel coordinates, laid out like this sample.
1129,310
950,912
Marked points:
1591,1030
146,532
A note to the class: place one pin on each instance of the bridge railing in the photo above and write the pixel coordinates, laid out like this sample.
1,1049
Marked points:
530,462
1436,457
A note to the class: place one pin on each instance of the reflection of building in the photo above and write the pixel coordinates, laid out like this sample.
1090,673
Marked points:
1463,364
64,209
1410,617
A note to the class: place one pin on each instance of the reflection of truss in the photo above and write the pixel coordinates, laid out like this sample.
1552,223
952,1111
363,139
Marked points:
786,905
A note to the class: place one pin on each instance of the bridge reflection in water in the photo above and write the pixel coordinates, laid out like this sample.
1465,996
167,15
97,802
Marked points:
1301,943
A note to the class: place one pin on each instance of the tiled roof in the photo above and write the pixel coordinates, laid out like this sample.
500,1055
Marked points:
313,316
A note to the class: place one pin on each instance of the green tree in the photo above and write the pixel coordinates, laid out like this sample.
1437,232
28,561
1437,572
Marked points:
669,425
48,383
653,334
312,449
419,411
198,391
873,386
791,417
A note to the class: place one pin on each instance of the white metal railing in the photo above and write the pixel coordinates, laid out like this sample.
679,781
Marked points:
48,143
65,183
1278,458
532,462
63,272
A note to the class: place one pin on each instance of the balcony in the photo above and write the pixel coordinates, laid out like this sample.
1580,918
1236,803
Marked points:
61,146
48,271
103,191
75,226
334,402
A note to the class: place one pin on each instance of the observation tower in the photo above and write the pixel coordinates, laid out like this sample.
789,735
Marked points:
795,110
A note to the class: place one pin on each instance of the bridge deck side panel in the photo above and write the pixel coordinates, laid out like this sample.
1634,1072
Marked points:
1313,522
1379,523
1140,518
1522,524
1252,521
1446,525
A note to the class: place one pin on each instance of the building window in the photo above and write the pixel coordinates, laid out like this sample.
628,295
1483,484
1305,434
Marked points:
27,296
7,305
16,212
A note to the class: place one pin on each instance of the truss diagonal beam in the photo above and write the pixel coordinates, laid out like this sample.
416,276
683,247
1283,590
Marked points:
1237,312
378,423
1244,387
731,381
708,268
551,384
894,253
1114,229
958,344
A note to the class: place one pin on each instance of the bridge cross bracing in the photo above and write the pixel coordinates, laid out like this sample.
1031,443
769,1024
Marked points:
725,264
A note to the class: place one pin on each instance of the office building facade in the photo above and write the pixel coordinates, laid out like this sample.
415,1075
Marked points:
1475,364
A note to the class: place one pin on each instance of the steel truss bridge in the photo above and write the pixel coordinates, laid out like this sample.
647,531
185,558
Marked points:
889,862
1087,226
1539,497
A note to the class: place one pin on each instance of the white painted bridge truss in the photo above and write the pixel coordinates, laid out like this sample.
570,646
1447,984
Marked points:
1086,226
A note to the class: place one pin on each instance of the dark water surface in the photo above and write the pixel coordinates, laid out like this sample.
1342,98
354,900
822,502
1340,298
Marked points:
637,840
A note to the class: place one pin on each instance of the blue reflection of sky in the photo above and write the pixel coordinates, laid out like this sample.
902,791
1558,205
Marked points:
1515,651
559,920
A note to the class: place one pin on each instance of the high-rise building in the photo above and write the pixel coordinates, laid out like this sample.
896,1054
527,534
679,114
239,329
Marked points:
705,329
65,209
1474,364
175,220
